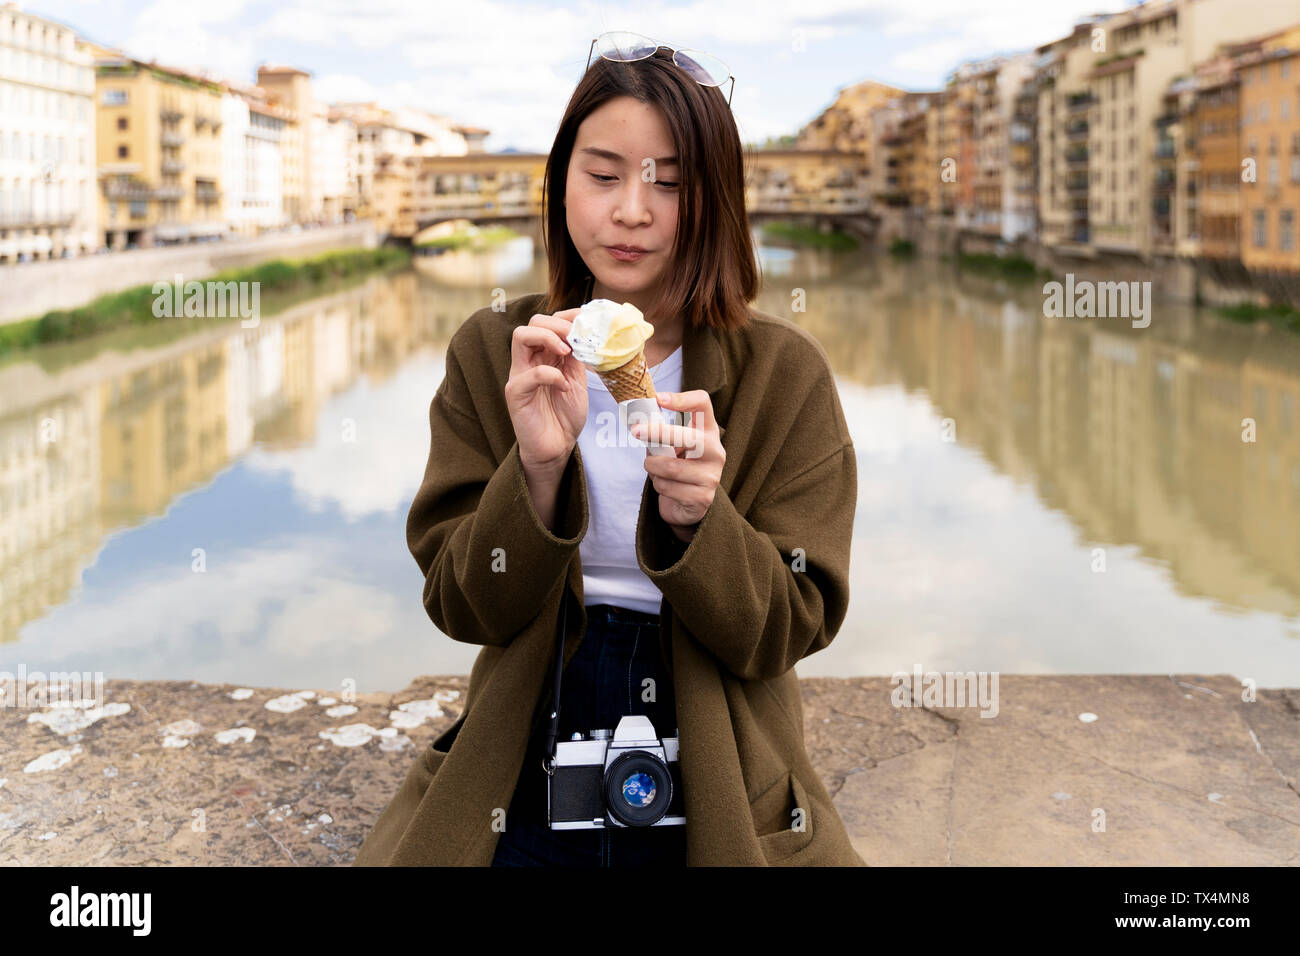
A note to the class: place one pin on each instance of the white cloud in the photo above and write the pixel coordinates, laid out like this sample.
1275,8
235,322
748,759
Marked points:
197,37
227,603
380,471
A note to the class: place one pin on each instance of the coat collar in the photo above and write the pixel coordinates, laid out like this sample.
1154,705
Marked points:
703,363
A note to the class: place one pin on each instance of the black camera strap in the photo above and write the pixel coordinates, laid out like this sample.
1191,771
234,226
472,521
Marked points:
548,761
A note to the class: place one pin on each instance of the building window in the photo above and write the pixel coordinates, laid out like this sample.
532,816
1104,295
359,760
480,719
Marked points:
1285,230
121,122
113,98
122,152
1260,230
139,208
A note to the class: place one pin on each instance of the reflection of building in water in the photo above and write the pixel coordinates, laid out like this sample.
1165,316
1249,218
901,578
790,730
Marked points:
163,429
255,381
49,498
1135,435
318,357
134,430
1271,473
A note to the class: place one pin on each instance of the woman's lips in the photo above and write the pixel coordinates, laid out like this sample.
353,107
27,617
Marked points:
622,255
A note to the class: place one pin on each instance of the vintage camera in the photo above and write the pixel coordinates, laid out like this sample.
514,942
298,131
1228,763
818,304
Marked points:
632,779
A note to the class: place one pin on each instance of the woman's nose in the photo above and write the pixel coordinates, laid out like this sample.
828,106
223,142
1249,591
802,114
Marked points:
633,206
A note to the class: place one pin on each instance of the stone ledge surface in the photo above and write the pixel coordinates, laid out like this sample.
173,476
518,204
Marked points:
1179,768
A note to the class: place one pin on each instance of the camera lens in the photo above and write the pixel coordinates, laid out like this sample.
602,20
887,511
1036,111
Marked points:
638,788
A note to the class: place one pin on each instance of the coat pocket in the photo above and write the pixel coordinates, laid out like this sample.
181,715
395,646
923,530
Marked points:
430,763
775,819
385,838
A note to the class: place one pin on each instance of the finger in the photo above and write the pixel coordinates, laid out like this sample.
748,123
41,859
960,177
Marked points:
679,436
686,495
560,322
666,466
696,402
528,340
541,376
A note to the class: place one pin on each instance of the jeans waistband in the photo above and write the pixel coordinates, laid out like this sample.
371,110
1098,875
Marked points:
613,614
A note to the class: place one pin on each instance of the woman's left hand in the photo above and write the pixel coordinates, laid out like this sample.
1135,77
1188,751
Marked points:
687,481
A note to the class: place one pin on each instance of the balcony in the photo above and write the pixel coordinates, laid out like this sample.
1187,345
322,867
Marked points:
169,192
1076,154
1079,101
1077,129
1164,149
170,138
173,166
36,220
114,189
170,115
207,193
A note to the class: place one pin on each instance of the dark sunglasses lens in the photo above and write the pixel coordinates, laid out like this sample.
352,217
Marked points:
625,46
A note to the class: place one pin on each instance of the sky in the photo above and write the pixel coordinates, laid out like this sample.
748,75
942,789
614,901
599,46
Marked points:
510,66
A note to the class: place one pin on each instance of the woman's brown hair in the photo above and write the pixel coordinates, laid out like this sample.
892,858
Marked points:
714,274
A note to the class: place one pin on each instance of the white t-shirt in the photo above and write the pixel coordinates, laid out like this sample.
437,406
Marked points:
615,473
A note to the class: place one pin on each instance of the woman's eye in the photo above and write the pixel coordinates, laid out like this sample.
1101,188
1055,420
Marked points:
601,178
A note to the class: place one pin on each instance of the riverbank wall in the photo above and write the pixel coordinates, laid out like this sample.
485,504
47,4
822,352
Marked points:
1173,279
30,289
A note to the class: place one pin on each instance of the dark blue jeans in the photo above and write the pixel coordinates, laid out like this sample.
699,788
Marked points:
602,683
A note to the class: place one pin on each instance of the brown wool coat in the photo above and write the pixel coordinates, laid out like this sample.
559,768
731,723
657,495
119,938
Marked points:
736,615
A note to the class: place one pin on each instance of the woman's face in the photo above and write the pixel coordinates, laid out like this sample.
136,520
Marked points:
609,202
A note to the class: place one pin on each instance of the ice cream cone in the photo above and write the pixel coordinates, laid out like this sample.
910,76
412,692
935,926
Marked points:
629,380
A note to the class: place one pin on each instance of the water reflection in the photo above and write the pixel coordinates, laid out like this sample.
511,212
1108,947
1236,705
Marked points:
231,506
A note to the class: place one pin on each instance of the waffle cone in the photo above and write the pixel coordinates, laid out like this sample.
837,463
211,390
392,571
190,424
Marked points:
630,380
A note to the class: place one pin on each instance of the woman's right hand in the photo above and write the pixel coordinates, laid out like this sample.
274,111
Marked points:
546,392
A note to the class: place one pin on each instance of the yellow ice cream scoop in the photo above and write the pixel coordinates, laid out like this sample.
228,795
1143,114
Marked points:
606,335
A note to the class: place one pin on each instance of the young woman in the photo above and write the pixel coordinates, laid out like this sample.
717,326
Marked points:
696,580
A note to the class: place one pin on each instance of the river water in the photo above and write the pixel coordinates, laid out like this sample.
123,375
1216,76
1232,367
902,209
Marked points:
1035,495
